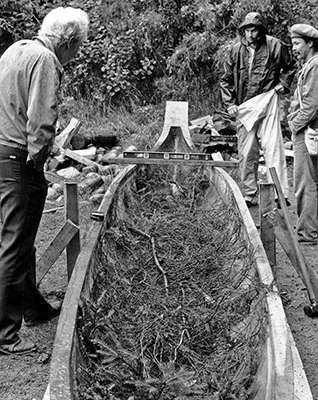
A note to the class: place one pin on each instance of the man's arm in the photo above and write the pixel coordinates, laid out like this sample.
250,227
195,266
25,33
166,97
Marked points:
42,109
227,87
288,68
309,110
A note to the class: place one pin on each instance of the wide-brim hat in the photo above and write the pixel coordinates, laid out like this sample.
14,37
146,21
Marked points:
253,19
303,30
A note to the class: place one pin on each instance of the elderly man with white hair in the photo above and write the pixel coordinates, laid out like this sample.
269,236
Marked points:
30,76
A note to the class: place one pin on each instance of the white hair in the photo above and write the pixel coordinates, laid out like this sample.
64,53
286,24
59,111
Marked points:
64,24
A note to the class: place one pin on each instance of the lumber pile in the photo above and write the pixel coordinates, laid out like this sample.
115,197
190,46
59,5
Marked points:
87,166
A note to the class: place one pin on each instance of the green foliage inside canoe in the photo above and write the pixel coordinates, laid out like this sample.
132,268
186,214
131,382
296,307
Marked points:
175,309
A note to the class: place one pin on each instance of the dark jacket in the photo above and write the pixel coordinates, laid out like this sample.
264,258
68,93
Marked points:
272,65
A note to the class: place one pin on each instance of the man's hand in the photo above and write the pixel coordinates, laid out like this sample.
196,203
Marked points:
312,134
56,150
279,89
232,110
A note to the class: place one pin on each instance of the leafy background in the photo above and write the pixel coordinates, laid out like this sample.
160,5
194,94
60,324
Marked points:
141,53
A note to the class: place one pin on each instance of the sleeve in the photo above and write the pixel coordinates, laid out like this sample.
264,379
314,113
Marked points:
42,108
227,84
288,68
309,110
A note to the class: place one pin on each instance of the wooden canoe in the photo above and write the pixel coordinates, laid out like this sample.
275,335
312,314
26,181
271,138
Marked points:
280,374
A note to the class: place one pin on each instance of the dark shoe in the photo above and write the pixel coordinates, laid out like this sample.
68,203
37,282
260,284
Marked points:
21,346
40,319
250,203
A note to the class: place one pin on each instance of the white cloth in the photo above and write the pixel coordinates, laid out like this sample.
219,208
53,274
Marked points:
260,115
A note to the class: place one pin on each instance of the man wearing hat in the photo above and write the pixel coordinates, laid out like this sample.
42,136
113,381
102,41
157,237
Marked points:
256,64
303,123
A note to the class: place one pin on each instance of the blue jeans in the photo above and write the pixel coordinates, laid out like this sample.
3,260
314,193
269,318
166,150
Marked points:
22,196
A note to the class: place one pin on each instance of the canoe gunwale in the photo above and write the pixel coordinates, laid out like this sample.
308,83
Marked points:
285,375
61,384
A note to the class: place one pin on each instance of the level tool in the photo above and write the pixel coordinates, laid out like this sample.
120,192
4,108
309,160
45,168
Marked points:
162,158
223,139
158,155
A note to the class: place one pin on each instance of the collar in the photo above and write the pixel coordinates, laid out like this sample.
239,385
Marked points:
46,42
261,41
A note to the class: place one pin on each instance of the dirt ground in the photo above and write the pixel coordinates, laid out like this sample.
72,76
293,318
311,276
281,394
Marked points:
26,377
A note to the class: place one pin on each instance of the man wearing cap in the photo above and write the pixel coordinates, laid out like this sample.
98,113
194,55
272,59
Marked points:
256,64
303,123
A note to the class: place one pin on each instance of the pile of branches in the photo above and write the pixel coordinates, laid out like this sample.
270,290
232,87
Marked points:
177,311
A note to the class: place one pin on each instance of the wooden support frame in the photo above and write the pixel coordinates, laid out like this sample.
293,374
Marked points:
67,238
56,247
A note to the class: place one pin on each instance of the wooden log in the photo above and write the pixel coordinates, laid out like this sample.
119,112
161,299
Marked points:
56,247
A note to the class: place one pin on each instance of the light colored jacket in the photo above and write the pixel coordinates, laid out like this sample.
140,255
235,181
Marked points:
307,89
30,77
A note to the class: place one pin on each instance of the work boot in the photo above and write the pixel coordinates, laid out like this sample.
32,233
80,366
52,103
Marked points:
20,346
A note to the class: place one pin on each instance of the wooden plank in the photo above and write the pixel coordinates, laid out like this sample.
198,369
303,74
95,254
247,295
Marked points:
284,236
213,163
58,244
89,153
267,234
54,178
79,158
175,134
72,213
64,138
287,238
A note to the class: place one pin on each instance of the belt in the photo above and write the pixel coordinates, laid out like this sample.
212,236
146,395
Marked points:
13,152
